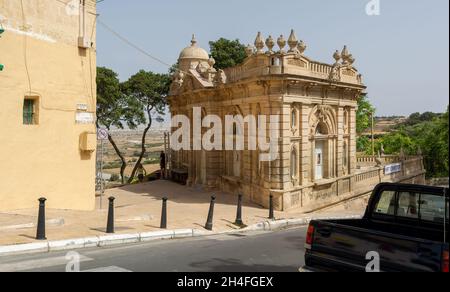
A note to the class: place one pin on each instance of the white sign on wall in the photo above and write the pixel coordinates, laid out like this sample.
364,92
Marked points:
393,168
84,118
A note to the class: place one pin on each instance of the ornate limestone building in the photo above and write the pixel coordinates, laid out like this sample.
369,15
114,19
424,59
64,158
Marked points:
316,103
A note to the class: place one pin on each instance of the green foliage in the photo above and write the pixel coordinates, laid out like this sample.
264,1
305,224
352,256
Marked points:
428,133
364,114
227,53
149,90
363,144
417,118
394,142
114,109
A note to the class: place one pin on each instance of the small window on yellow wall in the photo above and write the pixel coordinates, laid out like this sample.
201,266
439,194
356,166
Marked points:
30,111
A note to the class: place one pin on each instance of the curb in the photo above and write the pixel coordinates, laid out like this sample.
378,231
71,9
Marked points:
289,223
118,239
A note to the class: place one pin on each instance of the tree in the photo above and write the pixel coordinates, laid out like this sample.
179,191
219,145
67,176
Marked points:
363,122
363,144
432,138
364,114
227,53
395,142
114,109
149,90
426,132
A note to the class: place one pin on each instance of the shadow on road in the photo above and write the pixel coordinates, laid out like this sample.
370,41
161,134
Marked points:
234,265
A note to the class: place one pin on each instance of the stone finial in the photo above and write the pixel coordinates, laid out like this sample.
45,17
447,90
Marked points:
345,55
378,160
270,43
337,56
281,43
259,43
211,62
193,41
350,60
383,152
301,47
293,42
249,50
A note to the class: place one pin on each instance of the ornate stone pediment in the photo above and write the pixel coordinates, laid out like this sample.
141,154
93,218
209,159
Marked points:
335,74
349,71
322,114
298,62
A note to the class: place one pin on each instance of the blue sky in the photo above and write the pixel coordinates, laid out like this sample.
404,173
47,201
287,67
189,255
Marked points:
403,53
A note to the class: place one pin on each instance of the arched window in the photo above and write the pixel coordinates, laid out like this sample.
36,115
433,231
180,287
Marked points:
294,118
294,163
275,61
346,121
322,129
345,155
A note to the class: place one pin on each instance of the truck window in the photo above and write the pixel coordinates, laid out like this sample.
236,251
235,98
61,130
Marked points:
432,208
386,204
408,205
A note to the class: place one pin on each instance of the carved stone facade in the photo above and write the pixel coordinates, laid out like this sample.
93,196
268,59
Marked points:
316,104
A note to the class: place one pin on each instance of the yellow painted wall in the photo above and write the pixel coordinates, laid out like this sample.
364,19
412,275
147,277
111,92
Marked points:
45,159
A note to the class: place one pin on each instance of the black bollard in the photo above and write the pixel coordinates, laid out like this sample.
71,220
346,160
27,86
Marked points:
164,214
110,226
239,221
40,234
271,213
209,222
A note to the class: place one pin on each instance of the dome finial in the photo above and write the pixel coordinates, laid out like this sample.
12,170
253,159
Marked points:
194,40
293,42
259,44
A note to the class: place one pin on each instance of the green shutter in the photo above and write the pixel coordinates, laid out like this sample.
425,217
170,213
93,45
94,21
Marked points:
28,112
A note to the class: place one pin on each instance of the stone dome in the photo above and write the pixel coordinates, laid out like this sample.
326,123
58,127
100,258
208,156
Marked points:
194,52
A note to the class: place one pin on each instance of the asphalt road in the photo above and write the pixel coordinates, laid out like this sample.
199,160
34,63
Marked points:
281,251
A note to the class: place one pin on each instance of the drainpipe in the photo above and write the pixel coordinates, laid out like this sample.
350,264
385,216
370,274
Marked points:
83,3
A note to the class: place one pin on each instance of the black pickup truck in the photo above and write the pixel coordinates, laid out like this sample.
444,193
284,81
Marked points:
404,229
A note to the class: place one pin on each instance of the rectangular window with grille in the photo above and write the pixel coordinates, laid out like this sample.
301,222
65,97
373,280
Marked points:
30,111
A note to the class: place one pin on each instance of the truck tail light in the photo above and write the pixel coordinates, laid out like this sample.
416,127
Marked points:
309,237
445,261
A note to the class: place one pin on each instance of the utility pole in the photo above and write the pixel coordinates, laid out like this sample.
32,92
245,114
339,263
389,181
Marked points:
372,114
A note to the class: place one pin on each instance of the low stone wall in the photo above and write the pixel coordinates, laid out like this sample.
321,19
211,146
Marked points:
439,182
320,196
326,193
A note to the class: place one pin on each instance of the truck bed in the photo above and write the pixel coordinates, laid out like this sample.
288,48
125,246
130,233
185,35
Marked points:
391,229
343,245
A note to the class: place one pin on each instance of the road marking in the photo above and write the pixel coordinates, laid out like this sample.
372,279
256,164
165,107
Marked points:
112,269
37,264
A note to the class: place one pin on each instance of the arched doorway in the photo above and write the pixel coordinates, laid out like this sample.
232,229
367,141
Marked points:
323,141
320,160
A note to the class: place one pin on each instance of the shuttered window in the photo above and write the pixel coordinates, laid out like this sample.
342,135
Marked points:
29,114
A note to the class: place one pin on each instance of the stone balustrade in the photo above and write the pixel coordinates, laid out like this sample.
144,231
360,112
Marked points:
361,183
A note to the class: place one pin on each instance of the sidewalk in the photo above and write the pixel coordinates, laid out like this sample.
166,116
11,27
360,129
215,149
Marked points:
138,210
